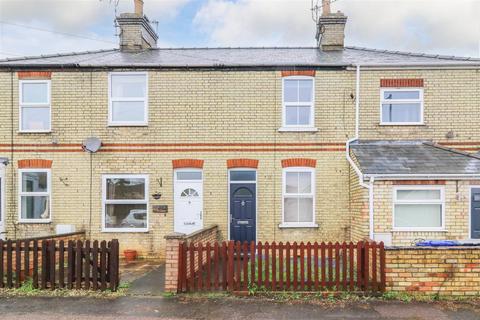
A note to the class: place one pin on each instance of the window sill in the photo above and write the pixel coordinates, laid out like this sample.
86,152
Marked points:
419,230
113,125
34,132
297,225
390,124
34,221
297,129
125,230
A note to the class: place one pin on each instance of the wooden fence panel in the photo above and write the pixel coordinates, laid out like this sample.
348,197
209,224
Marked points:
46,264
291,266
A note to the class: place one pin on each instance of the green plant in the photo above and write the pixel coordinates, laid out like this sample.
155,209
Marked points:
169,294
124,285
27,287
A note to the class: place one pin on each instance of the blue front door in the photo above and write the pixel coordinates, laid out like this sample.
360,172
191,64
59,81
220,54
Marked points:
243,211
475,214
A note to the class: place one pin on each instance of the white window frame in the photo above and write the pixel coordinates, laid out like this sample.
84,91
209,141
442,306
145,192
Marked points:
24,193
23,105
426,187
111,122
311,224
307,127
105,201
401,101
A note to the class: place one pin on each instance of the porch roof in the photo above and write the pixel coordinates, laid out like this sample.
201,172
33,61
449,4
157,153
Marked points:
412,158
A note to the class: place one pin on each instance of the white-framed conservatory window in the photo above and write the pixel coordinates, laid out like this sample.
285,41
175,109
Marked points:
298,94
298,197
128,99
401,106
34,195
419,208
35,108
125,203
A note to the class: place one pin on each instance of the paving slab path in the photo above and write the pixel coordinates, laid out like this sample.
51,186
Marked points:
142,307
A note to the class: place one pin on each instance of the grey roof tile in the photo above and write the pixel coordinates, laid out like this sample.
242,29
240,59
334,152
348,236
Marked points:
236,57
412,157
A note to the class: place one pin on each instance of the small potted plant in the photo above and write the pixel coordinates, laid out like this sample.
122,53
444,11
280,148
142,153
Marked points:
130,255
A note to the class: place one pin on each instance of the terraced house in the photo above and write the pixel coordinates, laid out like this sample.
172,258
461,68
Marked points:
320,143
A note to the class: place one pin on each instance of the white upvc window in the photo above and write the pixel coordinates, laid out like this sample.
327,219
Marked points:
419,208
298,197
128,99
298,95
401,106
34,195
125,203
35,109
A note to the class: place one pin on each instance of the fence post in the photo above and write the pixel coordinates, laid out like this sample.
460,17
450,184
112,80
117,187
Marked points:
230,269
114,262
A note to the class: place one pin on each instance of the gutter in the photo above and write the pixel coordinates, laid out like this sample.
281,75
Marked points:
423,176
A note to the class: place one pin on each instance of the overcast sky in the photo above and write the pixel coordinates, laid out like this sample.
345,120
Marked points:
433,26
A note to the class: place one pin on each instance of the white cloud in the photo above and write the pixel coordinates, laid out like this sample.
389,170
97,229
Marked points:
89,18
257,22
442,26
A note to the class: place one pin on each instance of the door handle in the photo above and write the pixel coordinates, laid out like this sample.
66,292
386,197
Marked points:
201,214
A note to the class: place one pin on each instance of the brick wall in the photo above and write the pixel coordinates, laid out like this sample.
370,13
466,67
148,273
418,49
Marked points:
359,209
449,271
208,234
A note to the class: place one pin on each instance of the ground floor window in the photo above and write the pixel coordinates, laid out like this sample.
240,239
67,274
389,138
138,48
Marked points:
125,203
298,196
34,195
419,208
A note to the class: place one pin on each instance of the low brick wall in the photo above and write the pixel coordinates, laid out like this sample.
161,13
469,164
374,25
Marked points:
447,271
208,234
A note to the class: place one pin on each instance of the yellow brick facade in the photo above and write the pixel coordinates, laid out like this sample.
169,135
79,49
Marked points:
215,115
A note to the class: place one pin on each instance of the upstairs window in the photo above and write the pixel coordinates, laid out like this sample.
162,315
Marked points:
402,106
128,99
34,195
35,114
298,97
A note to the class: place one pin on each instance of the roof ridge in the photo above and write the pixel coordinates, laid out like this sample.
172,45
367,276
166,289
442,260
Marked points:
53,55
415,54
223,48
452,150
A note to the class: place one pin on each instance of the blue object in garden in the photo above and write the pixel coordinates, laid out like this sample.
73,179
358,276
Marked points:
437,243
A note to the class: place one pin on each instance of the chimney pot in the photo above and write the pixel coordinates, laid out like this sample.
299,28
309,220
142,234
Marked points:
325,8
139,7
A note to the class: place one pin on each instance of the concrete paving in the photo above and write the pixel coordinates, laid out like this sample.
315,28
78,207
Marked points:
151,284
143,307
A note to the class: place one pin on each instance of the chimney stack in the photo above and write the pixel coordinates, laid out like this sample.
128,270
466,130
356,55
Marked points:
331,29
136,33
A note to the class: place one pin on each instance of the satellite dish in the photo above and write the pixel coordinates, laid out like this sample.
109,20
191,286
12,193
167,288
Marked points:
92,144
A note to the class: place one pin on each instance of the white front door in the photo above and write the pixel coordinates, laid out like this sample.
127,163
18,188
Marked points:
2,201
188,200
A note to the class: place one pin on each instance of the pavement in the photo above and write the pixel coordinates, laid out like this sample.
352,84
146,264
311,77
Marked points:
145,300
133,307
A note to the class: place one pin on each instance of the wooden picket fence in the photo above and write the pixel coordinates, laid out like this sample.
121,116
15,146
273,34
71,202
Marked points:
284,266
64,265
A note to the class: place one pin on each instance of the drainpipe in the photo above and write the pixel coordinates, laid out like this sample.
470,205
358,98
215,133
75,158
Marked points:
370,207
350,160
